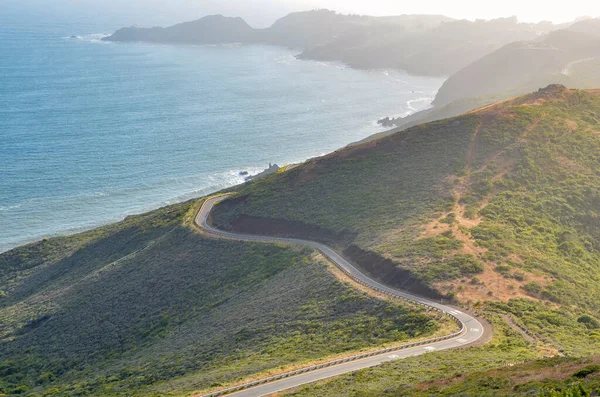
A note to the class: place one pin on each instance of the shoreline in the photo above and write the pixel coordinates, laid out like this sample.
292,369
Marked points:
111,203
181,198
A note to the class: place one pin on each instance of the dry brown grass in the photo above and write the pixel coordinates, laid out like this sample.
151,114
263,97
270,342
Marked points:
501,288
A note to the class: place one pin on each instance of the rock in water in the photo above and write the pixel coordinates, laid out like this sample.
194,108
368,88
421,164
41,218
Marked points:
273,168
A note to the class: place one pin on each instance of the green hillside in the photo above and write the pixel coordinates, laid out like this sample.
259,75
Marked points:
499,205
149,306
496,209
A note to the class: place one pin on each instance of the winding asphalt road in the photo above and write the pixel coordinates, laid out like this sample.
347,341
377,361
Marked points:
471,329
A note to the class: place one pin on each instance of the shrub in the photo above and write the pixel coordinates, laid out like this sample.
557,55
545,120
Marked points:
573,391
532,289
583,372
456,267
518,276
589,321
450,219
19,390
467,265
502,269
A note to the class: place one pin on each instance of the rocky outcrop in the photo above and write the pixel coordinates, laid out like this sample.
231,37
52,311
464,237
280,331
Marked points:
273,168
390,122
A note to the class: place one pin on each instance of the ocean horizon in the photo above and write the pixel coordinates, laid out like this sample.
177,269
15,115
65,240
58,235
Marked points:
92,132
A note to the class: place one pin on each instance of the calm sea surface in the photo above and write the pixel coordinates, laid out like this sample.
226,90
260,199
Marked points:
91,131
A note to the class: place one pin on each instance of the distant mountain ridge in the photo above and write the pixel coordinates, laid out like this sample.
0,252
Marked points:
435,49
569,56
419,44
524,66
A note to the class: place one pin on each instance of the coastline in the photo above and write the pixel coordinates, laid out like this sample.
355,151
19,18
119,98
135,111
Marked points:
181,198
253,172
190,195
69,194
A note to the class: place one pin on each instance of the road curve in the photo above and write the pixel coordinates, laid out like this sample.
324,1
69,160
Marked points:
471,329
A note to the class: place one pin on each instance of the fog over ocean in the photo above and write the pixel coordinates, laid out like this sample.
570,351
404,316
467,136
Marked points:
92,131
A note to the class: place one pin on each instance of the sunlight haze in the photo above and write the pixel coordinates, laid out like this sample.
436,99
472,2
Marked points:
262,13
526,11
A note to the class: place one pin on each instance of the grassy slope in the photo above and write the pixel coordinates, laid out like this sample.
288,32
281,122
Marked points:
499,205
452,109
524,204
147,306
367,191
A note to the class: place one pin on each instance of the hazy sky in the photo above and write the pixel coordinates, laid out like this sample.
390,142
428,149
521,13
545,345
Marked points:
526,10
262,13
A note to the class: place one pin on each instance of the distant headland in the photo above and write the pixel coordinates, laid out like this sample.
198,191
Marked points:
420,44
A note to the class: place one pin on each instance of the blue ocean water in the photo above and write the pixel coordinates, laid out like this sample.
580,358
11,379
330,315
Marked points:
91,131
